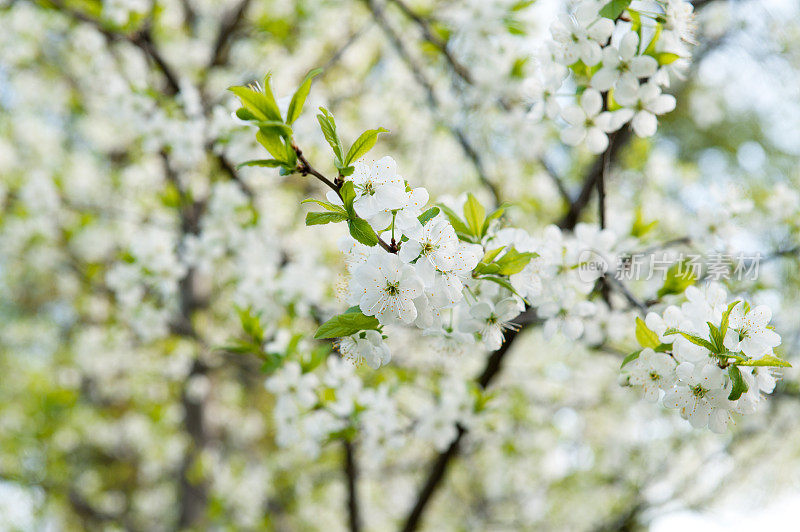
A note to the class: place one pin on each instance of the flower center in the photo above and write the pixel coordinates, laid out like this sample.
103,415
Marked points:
654,376
492,319
393,289
699,392
428,248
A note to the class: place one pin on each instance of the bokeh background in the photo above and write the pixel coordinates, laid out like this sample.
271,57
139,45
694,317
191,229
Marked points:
128,238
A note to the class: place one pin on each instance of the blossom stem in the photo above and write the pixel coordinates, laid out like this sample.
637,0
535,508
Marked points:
305,168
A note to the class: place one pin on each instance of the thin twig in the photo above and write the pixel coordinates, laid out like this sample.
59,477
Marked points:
428,35
305,168
433,101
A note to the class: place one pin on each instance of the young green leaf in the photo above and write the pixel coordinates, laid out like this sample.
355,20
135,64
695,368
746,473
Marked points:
513,261
274,126
666,58
348,195
680,276
361,231
766,360
457,223
320,218
490,255
251,324
299,98
497,213
630,358
363,144
702,342
346,324
716,337
645,336
614,9
269,163
272,142
326,205
257,103
328,126
474,214
726,316
428,215
739,386
243,114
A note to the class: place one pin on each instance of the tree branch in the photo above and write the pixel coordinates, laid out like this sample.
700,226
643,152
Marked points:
227,29
617,140
433,100
439,466
428,35
351,473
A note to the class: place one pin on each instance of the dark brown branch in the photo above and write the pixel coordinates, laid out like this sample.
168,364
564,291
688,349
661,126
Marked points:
440,464
351,474
617,140
228,27
433,101
142,40
562,189
428,35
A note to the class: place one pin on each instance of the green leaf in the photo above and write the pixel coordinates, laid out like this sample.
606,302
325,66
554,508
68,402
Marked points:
455,221
726,316
275,113
679,277
315,357
261,105
361,231
272,142
328,126
630,358
716,338
497,213
645,336
640,228
299,98
666,58
348,195
739,386
326,205
490,255
270,126
428,215
321,218
269,163
346,324
363,144
474,214
702,342
651,48
251,324
243,114
766,360
614,9
513,261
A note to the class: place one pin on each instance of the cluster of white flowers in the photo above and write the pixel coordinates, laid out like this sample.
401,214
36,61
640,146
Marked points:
710,357
446,283
310,407
618,67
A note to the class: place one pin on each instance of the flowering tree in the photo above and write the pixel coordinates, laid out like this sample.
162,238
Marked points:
219,312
